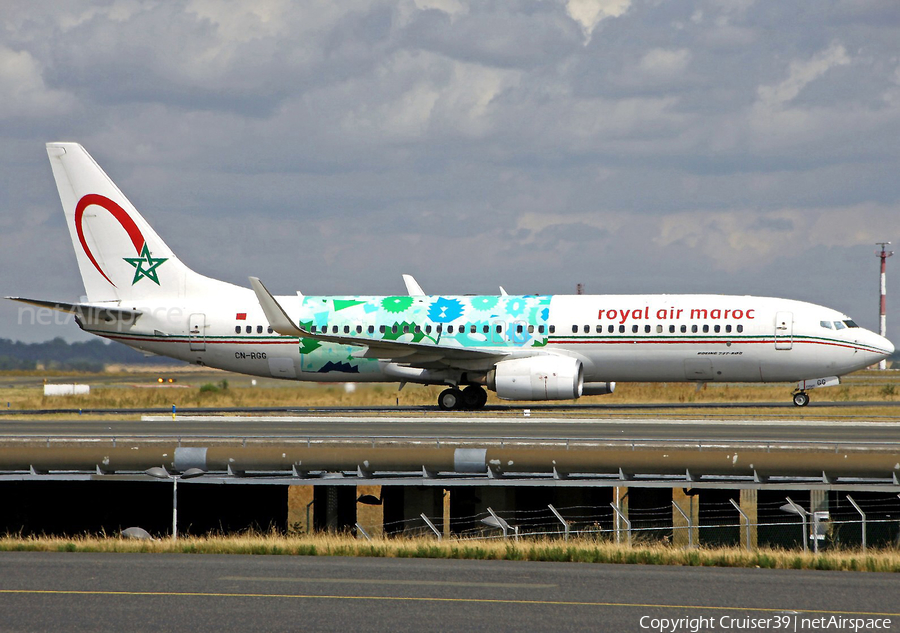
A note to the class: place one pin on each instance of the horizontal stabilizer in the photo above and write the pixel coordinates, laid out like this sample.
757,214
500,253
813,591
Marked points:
89,311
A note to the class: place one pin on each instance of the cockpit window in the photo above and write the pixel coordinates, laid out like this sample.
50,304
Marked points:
850,323
825,324
839,325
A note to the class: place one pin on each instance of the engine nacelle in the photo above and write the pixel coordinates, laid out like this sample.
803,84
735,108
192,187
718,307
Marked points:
598,388
537,378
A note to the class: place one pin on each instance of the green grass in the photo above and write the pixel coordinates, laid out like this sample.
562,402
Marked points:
575,551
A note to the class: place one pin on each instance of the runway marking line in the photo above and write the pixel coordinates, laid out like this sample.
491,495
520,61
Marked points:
381,581
192,594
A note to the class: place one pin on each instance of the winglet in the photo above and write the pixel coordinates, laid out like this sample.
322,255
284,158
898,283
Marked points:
275,314
413,287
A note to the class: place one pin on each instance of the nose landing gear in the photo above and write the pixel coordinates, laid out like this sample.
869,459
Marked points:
801,398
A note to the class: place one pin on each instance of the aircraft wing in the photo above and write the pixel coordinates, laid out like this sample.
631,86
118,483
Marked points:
91,311
407,353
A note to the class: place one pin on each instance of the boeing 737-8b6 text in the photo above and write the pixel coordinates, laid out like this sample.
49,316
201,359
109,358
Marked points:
523,347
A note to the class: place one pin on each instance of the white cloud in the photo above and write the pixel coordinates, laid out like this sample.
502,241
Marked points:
589,13
665,62
802,73
23,92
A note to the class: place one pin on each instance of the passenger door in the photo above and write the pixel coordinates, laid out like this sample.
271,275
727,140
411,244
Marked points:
784,330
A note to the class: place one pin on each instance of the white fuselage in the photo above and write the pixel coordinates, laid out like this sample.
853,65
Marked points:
616,337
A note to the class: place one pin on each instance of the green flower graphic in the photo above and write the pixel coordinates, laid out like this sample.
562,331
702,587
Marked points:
396,304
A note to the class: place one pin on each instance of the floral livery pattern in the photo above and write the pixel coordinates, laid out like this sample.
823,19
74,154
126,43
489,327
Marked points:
445,310
418,319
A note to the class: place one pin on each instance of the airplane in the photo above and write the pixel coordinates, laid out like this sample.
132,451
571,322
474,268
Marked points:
522,347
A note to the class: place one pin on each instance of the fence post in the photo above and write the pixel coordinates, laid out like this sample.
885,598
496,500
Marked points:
690,526
863,515
625,520
803,514
431,525
746,523
561,520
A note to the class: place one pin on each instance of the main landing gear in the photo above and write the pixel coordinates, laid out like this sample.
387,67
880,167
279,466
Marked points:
472,398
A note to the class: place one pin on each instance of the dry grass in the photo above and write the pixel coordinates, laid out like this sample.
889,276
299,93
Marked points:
578,550
142,391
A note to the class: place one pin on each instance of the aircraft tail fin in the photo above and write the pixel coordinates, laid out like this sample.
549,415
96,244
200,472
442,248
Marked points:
120,256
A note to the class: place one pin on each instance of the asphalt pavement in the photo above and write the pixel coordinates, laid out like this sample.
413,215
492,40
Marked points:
162,592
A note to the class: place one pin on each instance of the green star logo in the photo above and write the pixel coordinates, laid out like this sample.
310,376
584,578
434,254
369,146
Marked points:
145,266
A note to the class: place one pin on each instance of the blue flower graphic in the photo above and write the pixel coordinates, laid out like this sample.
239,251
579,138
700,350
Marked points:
545,314
445,310
483,303
515,306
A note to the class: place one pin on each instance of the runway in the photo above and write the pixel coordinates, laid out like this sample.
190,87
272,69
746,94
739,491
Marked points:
438,427
159,592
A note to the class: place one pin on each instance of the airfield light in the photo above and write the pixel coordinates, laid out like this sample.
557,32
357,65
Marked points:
161,473
882,304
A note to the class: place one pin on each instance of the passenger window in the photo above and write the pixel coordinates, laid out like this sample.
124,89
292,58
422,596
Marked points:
237,329
599,329
394,329
574,329
683,329
474,329
671,329
621,329
418,329
634,329
427,329
519,329
382,329
531,329
705,329
611,329
499,329
371,329
740,328
449,329
334,329
259,329
406,329
728,329
646,329
694,329
346,329
540,329
552,329
439,328
249,329
717,328
659,329
359,329
825,324
269,329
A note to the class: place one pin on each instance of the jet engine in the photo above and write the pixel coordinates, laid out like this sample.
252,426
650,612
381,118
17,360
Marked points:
537,378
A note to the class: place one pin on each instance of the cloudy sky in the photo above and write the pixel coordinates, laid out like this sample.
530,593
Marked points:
633,146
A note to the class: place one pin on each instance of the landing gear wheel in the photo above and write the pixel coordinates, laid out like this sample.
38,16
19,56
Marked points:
801,398
450,399
473,397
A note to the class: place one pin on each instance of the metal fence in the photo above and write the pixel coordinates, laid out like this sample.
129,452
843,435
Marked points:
848,523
